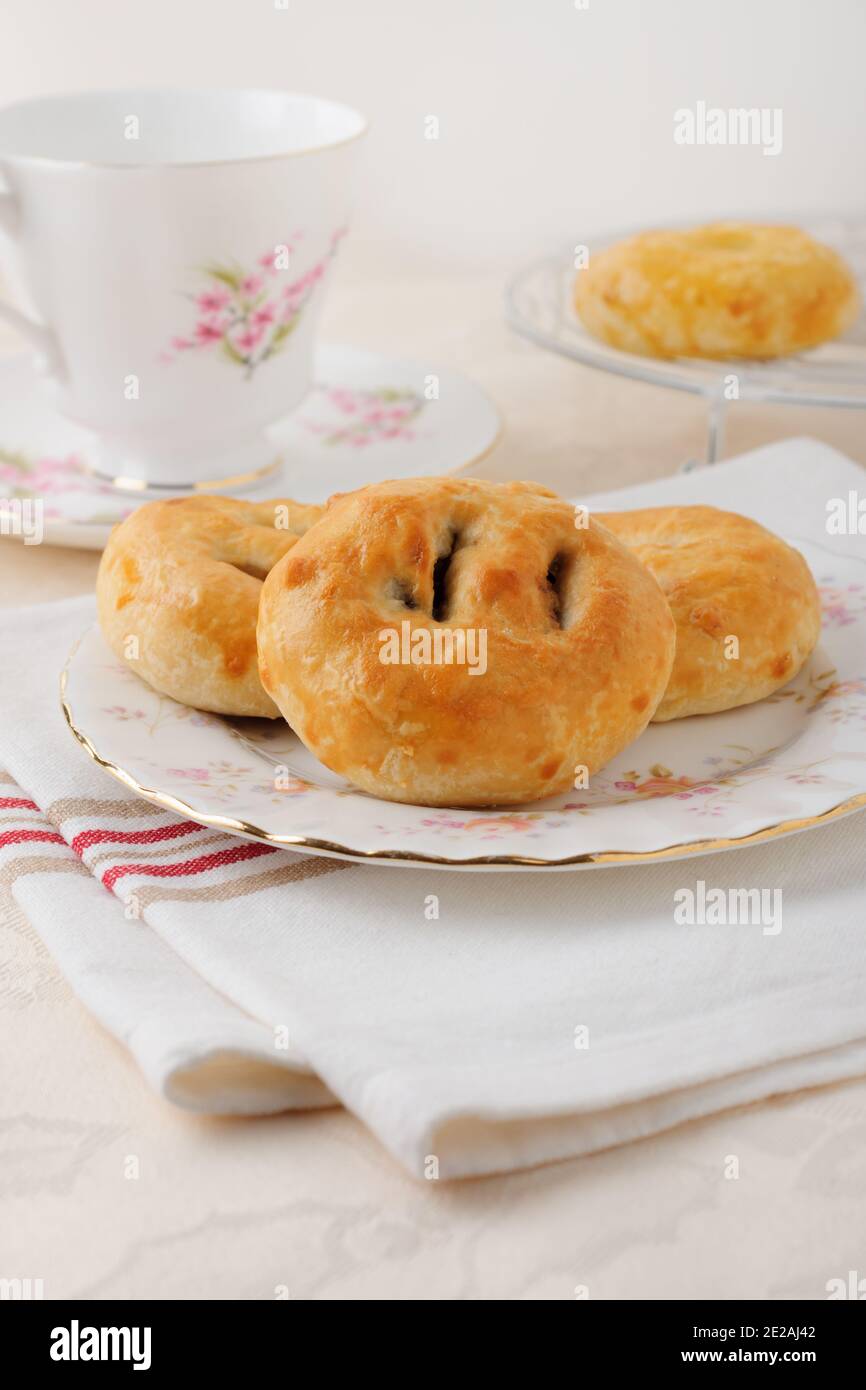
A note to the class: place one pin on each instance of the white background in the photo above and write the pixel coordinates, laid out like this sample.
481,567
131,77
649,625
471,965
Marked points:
555,122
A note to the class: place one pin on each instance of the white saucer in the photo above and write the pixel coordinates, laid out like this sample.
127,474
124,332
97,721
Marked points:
367,418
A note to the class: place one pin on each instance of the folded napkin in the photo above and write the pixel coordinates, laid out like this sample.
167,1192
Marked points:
539,1015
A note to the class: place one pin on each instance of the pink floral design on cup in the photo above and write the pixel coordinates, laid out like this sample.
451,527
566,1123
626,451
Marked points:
249,315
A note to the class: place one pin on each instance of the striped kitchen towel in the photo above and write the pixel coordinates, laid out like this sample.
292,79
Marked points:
191,1042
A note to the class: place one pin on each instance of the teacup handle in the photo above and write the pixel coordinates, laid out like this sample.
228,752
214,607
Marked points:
38,335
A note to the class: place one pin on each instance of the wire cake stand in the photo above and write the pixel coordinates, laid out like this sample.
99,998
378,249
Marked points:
538,305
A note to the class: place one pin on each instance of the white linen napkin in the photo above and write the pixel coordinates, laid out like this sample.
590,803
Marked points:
541,1015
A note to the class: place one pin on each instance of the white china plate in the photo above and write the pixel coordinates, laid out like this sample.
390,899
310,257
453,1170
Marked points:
713,782
367,418
539,305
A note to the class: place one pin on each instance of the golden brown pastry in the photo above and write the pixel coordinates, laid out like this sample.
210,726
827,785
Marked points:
178,594
724,577
567,641
729,289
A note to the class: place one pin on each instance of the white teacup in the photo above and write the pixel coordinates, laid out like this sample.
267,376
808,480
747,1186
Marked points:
170,253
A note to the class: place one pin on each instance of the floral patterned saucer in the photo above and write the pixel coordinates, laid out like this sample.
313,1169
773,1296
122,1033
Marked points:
367,418
713,782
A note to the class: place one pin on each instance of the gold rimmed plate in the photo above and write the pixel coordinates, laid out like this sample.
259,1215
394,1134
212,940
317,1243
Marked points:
783,765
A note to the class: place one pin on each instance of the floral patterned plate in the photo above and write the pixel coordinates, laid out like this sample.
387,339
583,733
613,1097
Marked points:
713,782
367,418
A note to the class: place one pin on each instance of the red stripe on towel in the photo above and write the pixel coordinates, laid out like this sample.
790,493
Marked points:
151,836
236,855
18,837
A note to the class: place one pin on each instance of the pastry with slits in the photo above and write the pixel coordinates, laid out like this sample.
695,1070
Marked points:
578,640
178,595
